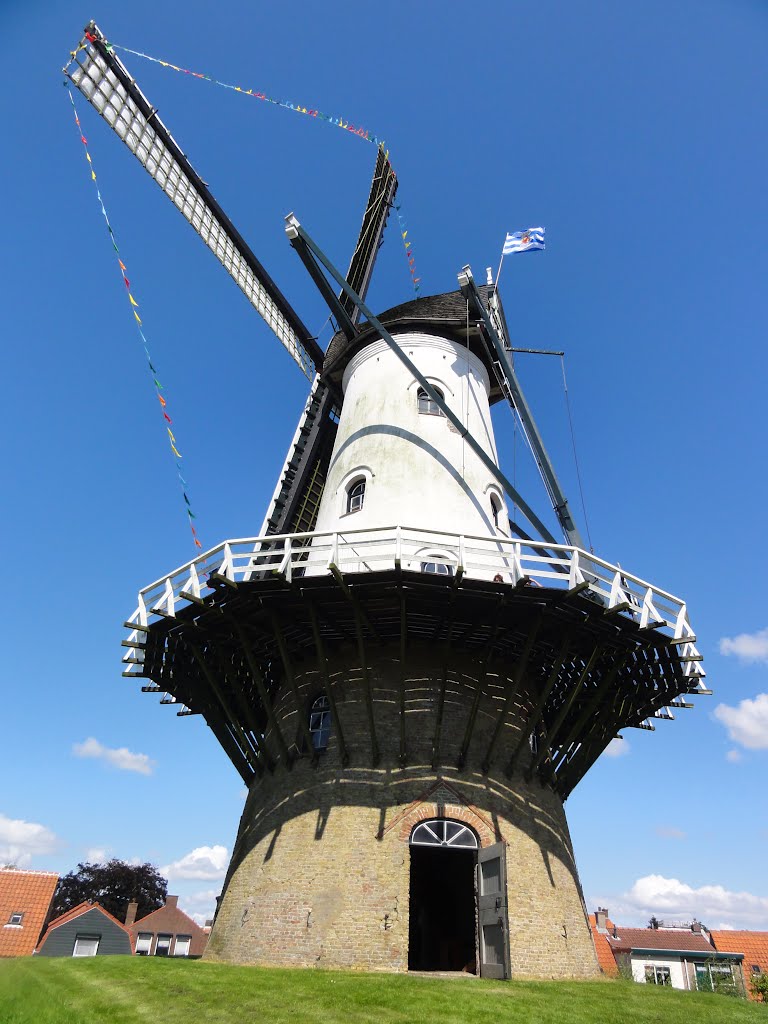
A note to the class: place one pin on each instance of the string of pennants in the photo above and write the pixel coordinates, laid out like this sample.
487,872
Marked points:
339,122
134,305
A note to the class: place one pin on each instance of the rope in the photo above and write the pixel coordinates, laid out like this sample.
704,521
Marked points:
134,309
575,456
339,122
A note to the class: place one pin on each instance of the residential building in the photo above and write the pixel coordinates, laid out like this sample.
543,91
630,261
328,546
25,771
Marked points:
25,905
682,957
166,932
86,930
754,946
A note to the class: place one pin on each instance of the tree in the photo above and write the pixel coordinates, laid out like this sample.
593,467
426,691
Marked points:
758,983
113,885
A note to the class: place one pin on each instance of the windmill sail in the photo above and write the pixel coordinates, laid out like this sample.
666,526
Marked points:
382,195
296,500
104,81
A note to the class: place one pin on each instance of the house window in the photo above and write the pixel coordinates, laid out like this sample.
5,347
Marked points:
181,947
355,495
437,568
320,723
657,975
756,969
427,405
163,947
144,943
86,945
16,919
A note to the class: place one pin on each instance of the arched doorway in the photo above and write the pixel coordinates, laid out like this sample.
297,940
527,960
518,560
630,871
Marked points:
442,929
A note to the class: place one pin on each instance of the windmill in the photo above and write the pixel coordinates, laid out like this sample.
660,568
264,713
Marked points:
409,684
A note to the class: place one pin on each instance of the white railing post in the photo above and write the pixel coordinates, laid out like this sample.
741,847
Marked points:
575,576
516,567
462,557
333,561
285,568
398,546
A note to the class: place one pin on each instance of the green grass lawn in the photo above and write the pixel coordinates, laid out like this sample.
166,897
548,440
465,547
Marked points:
138,990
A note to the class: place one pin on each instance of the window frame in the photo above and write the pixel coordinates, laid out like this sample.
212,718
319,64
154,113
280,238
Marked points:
320,712
144,936
16,924
658,974
426,405
360,483
182,938
85,937
161,938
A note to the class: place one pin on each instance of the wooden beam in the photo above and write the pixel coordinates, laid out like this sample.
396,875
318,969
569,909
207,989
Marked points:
247,712
258,679
366,680
323,666
578,727
488,654
535,715
403,758
290,676
237,730
520,667
546,751
441,697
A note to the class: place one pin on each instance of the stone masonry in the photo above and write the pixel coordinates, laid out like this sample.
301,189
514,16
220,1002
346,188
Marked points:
320,870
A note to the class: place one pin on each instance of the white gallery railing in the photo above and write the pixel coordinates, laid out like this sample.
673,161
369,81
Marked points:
517,563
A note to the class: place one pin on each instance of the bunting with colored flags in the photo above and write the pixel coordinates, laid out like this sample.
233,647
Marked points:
134,305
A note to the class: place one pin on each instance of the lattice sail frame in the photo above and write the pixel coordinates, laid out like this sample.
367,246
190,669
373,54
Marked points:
89,72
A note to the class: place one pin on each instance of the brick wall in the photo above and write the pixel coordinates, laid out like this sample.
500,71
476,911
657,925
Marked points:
320,869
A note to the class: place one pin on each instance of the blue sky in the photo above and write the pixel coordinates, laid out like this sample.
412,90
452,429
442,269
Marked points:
633,133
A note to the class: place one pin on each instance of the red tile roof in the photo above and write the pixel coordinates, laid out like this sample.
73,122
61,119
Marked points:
29,893
603,949
659,938
754,946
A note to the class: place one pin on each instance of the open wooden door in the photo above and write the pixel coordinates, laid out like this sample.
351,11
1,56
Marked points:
492,920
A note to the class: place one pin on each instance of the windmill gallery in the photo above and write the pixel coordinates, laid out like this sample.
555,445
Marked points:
409,684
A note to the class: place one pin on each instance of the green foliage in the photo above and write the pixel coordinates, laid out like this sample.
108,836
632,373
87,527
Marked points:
758,985
113,885
134,990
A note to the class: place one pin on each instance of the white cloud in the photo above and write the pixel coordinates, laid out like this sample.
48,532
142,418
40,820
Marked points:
747,724
96,854
734,756
20,841
616,748
121,758
200,905
673,900
669,832
747,647
204,862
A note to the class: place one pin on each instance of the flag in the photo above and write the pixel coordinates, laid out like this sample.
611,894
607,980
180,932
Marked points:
522,241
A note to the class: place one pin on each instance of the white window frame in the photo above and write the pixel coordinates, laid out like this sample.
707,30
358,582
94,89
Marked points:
352,503
183,939
86,939
320,722
141,938
426,405
162,939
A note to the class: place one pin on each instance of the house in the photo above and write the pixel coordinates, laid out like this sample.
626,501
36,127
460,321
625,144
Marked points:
25,905
683,957
165,932
754,946
87,930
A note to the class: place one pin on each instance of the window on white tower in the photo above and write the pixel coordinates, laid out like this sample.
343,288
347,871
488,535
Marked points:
427,405
495,510
355,496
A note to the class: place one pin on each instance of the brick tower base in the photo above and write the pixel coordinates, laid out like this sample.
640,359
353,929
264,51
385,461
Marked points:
321,869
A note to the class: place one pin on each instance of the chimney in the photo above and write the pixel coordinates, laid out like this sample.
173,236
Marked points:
696,927
601,919
171,901
130,914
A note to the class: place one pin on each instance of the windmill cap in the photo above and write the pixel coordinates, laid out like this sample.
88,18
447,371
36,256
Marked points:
444,315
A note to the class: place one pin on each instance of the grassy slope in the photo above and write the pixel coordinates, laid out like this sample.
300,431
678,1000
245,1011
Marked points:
128,990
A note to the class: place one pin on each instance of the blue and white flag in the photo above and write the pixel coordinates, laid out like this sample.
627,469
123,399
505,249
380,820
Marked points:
522,241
